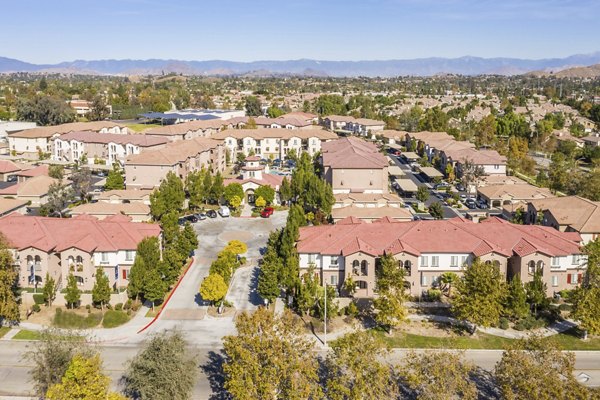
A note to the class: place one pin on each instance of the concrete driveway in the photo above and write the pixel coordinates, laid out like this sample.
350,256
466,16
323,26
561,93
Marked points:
186,310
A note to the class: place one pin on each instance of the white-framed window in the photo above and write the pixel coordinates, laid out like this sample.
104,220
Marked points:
312,258
574,279
555,262
423,280
554,280
333,280
104,257
454,261
575,259
435,261
463,260
424,261
129,255
334,260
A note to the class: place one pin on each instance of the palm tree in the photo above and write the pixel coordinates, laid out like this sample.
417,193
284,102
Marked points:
447,279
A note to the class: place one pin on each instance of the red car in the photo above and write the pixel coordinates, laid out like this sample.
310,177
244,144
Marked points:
267,212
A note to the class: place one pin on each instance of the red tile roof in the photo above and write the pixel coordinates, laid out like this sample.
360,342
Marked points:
83,232
446,236
8,166
351,152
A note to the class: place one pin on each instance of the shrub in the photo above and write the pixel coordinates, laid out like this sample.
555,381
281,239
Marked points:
108,306
36,308
119,306
565,307
129,311
136,306
566,294
529,323
113,318
352,310
503,323
39,299
88,307
127,304
243,260
434,295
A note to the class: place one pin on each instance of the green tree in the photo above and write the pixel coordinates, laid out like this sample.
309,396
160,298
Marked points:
285,191
233,190
422,194
45,110
101,289
268,282
536,291
81,182
207,184
266,192
480,294
9,301
217,189
189,239
59,196
536,368
56,171
439,375
270,358
225,265
274,111
154,286
352,376
83,379
147,256
43,85
516,301
115,179
213,288
447,280
330,104
99,110
195,187
450,175
73,293
169,196
586,298
162,370
253,106
49,289
50,357
390,286
436,210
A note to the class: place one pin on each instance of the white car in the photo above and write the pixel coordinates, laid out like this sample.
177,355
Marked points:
224,212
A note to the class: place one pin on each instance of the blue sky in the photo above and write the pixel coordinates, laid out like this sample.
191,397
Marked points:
49,31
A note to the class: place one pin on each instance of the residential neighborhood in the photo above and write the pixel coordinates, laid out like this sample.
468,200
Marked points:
290,209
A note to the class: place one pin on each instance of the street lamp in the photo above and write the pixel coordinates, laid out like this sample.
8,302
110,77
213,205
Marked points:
325,321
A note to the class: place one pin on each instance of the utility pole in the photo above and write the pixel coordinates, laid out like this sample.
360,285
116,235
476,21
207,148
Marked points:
325,326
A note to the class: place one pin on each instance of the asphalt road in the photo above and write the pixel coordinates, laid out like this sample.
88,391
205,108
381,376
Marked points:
14,377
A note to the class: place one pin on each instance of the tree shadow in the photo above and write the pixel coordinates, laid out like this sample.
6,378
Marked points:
213,369
200,301
485,383
253,297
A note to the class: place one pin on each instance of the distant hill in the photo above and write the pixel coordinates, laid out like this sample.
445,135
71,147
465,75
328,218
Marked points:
385,68
593,71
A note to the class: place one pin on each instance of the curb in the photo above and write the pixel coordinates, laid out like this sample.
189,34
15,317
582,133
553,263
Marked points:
170,295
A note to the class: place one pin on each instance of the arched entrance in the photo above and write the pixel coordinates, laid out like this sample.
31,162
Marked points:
250,196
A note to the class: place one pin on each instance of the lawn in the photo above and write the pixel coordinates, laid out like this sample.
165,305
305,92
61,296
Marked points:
72,320
114,318
24,334
4,330
141,127
568,341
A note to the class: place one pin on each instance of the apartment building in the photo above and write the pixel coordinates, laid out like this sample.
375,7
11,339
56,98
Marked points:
102,148
567,214
33,190
511,196
254,175
427,249
59,246
273,142
282,122
147,169
40,138
189,130
353,165
357,126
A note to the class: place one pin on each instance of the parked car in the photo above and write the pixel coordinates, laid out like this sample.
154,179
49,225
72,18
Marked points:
224,211
211,214
181,221
267,212
191,218
471,204
11,178
460,187
463,196
201,216
482,204
441,186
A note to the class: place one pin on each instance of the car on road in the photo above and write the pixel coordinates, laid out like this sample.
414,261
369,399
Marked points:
191,218
224,211
211,214
267,212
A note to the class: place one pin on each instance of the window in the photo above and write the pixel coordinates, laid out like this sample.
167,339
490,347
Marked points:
103,257
423,280
364,267
575,259
554,280
334,260
407,267
555,261
362,284
435,261
454,261
463,260
334,280
129,255
312,258
424,261
531,267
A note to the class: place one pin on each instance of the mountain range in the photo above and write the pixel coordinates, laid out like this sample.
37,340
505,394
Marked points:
305,67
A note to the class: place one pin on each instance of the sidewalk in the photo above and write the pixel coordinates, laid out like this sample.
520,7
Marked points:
246,211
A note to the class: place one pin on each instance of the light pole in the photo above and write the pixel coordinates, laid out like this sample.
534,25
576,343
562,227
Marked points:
325,326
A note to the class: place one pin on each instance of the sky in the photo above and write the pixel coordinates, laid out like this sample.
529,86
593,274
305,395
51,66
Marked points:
51,31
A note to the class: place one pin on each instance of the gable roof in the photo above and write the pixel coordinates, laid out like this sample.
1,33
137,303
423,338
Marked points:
37,186
83,232
140,140
278,133
580,214
351,152
173,152
49,131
